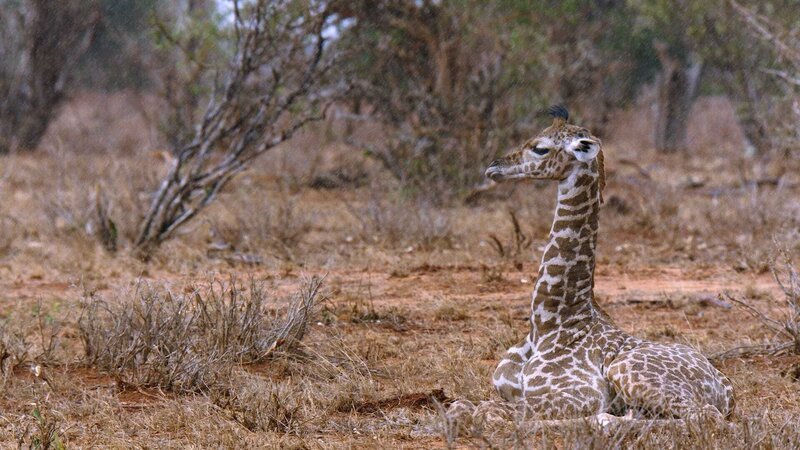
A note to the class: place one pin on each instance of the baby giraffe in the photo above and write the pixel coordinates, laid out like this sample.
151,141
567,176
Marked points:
574,362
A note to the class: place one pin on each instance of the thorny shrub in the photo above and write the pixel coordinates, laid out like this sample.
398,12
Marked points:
785,328
14,349
260,405
518,242
189,342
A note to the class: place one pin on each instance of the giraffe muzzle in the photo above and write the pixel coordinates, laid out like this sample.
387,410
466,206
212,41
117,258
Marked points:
495,169
505,168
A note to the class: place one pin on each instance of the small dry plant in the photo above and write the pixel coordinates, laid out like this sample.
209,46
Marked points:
413,223
517,244
45,433
14,350
190,342
785,327
25,347
277,226
261,405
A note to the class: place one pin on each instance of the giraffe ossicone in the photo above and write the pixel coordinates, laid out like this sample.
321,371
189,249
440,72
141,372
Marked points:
574,362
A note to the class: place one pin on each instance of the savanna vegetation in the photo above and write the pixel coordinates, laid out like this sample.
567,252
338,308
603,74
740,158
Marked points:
265,223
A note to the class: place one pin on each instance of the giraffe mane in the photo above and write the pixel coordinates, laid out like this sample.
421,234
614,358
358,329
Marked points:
559,114
601,169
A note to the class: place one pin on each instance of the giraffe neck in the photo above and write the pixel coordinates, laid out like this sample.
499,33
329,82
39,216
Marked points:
562,298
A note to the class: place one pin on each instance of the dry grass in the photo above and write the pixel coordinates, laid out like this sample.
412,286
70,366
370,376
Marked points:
763,430
279,228
395,222
189,342
784,325
101,350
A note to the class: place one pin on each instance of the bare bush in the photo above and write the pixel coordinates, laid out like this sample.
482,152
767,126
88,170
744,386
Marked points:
33,348
261,406
187,343
517,244
276,225
14,350
41,42
785,328
106,228
107,212
274,85
44,432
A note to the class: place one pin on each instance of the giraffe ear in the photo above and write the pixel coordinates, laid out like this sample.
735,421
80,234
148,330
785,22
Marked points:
584,149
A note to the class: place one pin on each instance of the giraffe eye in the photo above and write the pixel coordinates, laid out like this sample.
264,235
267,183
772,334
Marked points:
540,150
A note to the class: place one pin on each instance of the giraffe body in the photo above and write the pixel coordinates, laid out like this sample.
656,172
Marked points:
575,362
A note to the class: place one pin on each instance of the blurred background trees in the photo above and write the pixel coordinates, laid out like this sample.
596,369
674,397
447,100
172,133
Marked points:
433,74
452,79
449,84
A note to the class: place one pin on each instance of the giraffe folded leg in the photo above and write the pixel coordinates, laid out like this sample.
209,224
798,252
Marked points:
670,381
459,417
491,415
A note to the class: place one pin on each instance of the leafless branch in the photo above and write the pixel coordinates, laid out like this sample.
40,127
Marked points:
765,29
786,329
275,85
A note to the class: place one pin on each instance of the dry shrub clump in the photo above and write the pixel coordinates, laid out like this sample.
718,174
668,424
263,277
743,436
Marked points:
784,327
277,225
517,244
260,405
14,350
29,343
190,342
82,197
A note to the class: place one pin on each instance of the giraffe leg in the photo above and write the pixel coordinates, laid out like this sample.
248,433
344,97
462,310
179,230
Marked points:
459,417
672,381
490,415
507,376
464,417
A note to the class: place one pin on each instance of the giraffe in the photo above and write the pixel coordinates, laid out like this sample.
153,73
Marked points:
574,362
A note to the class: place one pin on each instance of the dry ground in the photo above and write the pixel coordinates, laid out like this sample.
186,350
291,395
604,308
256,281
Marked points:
418,304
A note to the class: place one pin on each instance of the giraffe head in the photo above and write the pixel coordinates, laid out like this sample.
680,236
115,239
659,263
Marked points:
552,154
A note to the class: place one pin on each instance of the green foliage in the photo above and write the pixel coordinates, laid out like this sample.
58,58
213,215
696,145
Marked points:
196,45
114,60
47,437
586,54
434,74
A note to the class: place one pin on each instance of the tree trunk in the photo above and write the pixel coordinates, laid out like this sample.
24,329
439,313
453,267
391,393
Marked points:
755,133
752,123
676,88
56,35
